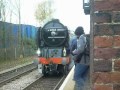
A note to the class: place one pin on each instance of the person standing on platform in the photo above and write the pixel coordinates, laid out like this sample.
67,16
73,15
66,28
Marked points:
81,60
73,46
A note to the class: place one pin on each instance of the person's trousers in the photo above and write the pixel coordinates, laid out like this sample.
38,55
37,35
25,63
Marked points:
80,75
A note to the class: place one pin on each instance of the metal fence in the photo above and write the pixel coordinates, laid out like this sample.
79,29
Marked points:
15,53
16,41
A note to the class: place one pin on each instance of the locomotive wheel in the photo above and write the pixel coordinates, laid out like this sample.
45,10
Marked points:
65,70
62,69
44,70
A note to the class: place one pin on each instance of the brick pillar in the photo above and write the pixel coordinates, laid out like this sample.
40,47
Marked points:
105,17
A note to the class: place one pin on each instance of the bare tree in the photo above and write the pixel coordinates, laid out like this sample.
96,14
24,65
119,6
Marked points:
44,11
2,10
14,7
7,9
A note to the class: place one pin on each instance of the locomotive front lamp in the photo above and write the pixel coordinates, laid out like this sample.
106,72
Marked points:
64,52
38,52
86,6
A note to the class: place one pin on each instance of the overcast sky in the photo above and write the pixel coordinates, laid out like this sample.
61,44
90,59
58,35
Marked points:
69,12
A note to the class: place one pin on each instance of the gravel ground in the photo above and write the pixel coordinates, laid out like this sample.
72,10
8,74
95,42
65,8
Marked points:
22,82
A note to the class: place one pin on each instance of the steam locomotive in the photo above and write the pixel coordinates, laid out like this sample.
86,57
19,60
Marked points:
53,43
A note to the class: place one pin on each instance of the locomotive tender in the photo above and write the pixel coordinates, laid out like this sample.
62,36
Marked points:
53,42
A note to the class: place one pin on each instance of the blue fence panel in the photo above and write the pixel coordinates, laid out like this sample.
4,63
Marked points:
15,30
28,31
15,33
7,34
33,32
23,27
1,34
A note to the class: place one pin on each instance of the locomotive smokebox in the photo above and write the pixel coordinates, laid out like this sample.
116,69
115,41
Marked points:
54,34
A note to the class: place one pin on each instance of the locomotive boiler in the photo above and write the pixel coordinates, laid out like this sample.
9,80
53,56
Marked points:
53,43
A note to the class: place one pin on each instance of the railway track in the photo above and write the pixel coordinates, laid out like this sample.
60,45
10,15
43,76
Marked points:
46,83
12,74
26,77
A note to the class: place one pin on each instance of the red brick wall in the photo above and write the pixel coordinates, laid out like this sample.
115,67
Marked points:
106,44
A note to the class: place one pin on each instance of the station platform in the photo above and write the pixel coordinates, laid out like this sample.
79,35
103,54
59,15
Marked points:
69,83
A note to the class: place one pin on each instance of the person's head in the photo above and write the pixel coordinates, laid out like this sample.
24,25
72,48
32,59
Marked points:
79,31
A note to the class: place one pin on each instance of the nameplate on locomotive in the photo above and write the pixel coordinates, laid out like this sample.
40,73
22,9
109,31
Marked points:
56,29
56,37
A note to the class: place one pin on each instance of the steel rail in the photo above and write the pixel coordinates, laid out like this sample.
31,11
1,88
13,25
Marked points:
10,75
